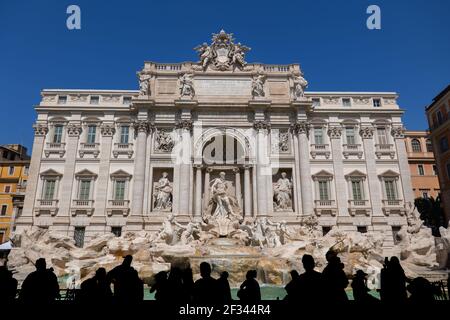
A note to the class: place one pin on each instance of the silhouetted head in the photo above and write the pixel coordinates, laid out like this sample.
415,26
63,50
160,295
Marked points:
175,274
127,260
100,274
330,255
224,275
251,274
360,274
308,262
41,265
205,269
160,276
294,274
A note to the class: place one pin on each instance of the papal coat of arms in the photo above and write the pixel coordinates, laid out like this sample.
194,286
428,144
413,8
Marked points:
223,54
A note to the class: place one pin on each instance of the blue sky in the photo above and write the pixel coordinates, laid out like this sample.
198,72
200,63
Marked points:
409,55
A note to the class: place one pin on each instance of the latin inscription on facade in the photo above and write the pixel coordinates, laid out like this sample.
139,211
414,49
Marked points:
222,87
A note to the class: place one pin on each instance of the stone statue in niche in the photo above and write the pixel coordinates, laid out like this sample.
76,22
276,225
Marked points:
163,194
164,141
282,193
223,213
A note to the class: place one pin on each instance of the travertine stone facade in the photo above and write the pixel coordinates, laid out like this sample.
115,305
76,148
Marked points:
106,160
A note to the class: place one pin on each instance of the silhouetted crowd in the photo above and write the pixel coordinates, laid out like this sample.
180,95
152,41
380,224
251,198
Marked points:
178,286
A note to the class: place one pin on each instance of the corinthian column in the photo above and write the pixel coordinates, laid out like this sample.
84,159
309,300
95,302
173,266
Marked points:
185,166
247,192
142,128
263,169
338,166
207,179
26,219
405,173
238,186
301,129
198,190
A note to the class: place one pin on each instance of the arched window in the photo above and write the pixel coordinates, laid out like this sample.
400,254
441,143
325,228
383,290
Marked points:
415,144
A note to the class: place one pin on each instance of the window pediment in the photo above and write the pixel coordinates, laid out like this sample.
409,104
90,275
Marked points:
50,173
85,173
389,174
355,174
322,175
120,174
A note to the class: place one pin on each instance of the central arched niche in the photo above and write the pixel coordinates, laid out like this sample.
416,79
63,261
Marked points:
223,149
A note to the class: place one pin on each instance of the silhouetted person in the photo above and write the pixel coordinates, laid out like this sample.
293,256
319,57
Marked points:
40,286
310,283
205,288
292,288
188,284
360,289
383,279
394,282
421,291
249,291
175,285
160,287
127,285
335,280
8,286
223,285
96,289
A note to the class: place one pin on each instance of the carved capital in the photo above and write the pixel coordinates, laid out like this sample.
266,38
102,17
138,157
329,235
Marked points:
143,126
40,129
335,132
366,132
184,125
74,129
263,125
236,170
107,130
398,132
209,170
301,127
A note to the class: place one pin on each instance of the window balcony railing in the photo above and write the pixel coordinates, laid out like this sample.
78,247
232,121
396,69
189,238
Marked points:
358,203
89,148
123,148
352,149
392,203
119,203
384,147
324,203
83,203
56,145
320,149
48,202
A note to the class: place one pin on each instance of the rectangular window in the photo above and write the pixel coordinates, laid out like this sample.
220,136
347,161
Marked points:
62,99
429,146
382,137
377,103
26,170
91,134
318,135
117,231
444,144
346,102
49,189
11,170
350,135
126,100
315,102
4,209
362,229
119,192
95,99
24,183
357,190
124,134
420,170
2,236
323,190
395,231
57,134
7,189
434,170
391,192
78,236
85,189
425,194
325,230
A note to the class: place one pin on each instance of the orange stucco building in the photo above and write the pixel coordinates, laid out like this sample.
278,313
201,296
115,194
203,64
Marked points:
14,164
422,164
438,114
